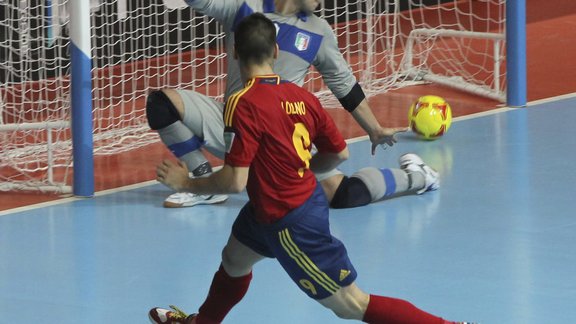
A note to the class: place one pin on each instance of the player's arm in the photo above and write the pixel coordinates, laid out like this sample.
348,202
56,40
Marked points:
229,179
240,151
338,76
378,135
325,161
222,10
332,149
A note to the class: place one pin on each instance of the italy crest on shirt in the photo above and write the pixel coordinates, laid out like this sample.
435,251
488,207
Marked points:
302,41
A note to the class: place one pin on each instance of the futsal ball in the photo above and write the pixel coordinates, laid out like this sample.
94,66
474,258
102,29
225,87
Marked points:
430,117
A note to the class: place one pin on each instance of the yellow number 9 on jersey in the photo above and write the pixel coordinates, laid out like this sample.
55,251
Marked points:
301,141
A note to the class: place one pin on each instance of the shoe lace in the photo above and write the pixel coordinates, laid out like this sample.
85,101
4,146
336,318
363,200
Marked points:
177,313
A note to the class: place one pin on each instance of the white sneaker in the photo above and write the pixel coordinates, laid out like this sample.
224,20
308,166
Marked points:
413,163
186,199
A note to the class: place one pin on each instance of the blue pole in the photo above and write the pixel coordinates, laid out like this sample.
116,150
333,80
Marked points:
81,89
516,52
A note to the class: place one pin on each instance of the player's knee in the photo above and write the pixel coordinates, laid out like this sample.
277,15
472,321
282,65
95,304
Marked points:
352,192
160,111
234,265
227,258
231,259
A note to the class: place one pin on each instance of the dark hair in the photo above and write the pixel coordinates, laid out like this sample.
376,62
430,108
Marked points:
255,39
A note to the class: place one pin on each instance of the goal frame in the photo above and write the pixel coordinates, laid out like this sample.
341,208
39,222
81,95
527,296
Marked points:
81,123
493,92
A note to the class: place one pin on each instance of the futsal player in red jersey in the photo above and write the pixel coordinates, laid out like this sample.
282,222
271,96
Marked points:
270,127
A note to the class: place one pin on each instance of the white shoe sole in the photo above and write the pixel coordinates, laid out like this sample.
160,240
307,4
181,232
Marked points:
216,199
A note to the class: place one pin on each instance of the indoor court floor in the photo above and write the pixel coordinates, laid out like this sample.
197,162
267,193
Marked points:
495,244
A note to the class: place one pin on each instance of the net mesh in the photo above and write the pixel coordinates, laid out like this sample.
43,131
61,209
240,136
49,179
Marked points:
139,47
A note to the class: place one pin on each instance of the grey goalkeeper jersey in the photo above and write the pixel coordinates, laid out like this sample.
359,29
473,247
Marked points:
304,40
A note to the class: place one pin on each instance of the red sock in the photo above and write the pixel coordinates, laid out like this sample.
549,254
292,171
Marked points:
397,311
225,292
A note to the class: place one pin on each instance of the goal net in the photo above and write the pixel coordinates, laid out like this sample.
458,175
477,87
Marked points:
138,46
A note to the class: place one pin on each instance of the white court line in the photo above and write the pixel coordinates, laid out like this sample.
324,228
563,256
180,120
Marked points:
97,194
349,141
71,199
455,119
552,99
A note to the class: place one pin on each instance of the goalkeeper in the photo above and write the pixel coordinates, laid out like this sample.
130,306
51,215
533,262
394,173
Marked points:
188,121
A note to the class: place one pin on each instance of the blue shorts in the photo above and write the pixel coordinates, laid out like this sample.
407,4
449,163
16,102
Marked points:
301,241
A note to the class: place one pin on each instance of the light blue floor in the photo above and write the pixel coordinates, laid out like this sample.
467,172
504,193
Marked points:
494,245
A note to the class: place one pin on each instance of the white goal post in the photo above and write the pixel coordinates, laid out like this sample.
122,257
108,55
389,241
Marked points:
139,46
460,79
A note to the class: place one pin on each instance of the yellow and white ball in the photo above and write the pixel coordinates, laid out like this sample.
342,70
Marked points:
430,117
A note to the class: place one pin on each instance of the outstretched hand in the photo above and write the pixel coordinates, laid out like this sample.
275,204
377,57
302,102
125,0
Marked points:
173,175
385,136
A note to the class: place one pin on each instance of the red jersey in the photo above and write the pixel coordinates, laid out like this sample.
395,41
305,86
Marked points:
270,126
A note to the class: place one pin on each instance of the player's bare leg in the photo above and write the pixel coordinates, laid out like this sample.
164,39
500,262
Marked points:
351,302
230,282
228,287
238,259
348,302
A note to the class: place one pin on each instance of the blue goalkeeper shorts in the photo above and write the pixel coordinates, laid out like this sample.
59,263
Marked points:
301,241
